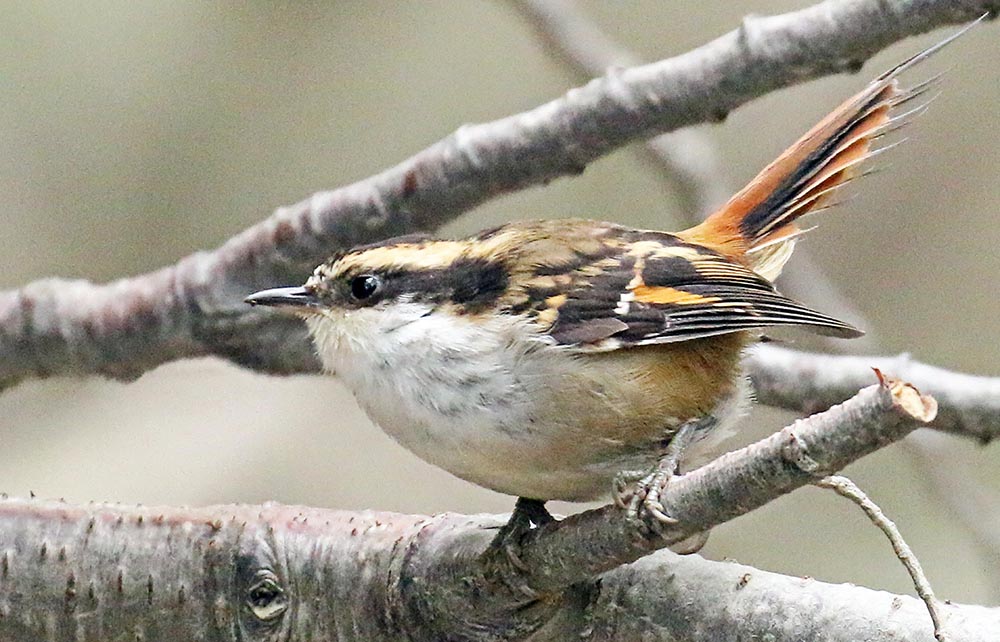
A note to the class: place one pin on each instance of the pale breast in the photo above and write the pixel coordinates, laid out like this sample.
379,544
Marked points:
521,416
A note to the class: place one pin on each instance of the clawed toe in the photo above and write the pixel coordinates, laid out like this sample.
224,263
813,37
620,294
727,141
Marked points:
644,499
641,500
625,486
652,504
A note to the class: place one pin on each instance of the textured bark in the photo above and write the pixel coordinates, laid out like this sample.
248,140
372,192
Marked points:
103,572
728,602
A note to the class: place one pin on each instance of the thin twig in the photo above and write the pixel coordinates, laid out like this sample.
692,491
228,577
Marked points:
846,488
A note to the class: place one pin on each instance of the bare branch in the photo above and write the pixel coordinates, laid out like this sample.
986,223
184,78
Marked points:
968,406
350,576
315,574
194,307
806,382
689,599
686,158
593,542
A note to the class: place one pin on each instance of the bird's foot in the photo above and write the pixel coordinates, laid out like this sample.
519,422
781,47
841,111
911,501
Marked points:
640,494
637,492
645,500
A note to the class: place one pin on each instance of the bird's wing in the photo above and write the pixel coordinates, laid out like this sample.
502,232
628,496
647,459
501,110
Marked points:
646,288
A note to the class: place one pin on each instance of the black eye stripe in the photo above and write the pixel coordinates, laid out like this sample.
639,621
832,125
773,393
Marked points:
477,283
472,284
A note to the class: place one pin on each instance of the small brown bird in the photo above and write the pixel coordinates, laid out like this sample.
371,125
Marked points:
541,359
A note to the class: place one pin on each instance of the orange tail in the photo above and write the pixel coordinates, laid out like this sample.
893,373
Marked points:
757,225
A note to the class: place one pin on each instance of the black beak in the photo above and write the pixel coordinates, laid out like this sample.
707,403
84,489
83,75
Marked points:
284,298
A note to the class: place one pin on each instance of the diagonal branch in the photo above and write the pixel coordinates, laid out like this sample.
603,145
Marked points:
731,485
686,158
194,308
968,406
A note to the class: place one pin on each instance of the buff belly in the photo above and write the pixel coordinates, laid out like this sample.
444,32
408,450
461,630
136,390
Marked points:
528,418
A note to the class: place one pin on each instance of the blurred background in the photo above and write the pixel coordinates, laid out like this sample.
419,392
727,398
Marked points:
132,134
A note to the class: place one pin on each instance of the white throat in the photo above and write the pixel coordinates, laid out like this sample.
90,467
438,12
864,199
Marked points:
432,380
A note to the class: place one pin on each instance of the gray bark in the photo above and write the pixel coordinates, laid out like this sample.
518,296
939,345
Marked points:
968,405
102,572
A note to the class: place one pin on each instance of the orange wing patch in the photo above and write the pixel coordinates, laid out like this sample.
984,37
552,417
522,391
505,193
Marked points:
670,296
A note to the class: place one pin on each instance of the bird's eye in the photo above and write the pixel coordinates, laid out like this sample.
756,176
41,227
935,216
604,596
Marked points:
364,286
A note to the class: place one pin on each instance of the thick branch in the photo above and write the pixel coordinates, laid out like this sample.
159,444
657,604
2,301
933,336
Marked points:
338,573
727,602
334,575
194,307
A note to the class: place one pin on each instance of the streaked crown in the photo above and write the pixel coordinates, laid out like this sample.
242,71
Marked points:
469,274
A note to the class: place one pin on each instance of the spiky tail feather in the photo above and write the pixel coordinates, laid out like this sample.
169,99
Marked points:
758,224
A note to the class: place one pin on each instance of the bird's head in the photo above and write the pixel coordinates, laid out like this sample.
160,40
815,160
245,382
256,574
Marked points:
363,297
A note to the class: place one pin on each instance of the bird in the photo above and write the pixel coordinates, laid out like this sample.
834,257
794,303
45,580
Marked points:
547,359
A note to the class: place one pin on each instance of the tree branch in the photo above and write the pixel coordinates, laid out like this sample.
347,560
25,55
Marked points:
806,382
685,158
848,489
728,602
967,405
226,572
194,307
731,485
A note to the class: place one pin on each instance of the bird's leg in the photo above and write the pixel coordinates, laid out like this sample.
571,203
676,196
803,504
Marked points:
528,514
644,496
654,483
